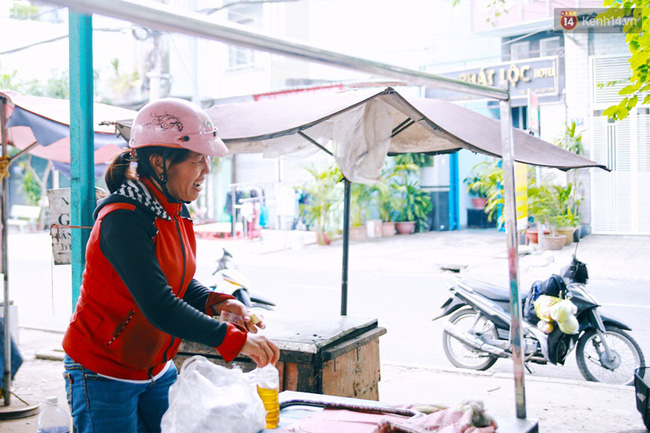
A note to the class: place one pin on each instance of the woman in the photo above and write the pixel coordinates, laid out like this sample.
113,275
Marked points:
138,297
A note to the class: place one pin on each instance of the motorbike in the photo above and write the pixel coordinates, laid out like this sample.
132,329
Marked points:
228,279
477,332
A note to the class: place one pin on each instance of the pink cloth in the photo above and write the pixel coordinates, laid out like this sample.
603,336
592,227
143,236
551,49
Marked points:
443,421
341,421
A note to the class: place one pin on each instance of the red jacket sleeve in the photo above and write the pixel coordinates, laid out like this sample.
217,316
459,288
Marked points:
232,343
235,336
213,299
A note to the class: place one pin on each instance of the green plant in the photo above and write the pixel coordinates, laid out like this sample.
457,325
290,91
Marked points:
552,205
360,197
386,192
386,199
122,83
483,179
542,205
325,198
486,180
571,141
22,11
418,159
569,205
415,204
31,187
636,36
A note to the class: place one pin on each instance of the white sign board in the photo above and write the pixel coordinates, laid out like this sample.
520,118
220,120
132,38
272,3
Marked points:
59,200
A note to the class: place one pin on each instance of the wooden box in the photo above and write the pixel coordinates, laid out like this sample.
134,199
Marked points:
336,355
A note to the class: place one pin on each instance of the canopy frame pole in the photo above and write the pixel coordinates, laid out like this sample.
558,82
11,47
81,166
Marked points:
346,245
411,122
163,17
82,172
6,374
24,151
314,142
516,334
401,127
346,229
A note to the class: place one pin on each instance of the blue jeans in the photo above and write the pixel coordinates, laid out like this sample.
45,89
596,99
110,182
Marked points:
102,405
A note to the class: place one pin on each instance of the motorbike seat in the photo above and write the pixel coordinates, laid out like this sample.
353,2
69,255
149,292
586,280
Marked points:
492,291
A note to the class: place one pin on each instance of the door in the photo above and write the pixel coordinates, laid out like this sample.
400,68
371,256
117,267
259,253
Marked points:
621,198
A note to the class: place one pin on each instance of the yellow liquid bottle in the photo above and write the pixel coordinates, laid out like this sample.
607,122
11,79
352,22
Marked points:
272,406
268,386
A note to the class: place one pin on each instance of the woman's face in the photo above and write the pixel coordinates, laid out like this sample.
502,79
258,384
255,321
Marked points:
185,179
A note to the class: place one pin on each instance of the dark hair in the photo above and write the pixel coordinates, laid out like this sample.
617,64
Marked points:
120,168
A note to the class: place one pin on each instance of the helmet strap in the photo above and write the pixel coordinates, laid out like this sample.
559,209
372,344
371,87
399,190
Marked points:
162,180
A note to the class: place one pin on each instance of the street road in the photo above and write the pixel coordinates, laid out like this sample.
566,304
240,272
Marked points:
405,302
404,295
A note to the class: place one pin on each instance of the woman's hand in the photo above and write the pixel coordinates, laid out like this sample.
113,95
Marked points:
236,307
261,350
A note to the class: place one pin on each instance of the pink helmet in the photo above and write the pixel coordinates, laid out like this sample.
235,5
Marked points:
173,122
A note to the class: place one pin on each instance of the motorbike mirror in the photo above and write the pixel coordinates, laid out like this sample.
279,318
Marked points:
576,235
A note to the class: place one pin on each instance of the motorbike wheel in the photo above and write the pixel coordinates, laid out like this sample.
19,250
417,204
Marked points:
461,355
593,362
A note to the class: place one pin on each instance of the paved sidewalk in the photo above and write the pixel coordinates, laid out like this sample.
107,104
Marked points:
561,406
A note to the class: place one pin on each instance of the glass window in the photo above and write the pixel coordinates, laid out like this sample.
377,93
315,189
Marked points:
549,47
246,15
520,50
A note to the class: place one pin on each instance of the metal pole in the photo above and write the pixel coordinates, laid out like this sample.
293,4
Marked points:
82,172
233,210
516,334
6,374
454,205
346,247
163,17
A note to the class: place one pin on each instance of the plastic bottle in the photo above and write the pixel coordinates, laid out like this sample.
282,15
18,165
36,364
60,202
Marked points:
52,418
267,380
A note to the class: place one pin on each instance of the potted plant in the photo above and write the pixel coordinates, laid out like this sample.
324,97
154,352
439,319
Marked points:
324,202
420,163
545,207
387,202
569,217
414,209
571,140
386,193
360,198
479,183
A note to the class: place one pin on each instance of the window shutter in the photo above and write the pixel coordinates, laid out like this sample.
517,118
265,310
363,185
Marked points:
608,70
643,170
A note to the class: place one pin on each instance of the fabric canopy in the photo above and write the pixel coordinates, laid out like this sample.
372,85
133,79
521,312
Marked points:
361,128
46,121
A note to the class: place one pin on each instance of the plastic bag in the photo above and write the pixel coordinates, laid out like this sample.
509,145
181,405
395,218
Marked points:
564,314
211,398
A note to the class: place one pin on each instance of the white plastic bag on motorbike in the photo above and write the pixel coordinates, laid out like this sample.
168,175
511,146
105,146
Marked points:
211,398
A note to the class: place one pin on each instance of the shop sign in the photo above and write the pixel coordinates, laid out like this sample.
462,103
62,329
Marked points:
59,201
539,75
59,206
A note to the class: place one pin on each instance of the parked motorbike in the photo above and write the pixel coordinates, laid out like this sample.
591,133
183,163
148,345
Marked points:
477,333
228,279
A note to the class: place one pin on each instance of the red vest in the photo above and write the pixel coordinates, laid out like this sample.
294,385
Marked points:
105,306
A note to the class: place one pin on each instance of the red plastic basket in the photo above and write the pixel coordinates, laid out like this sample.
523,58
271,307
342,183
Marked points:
642,388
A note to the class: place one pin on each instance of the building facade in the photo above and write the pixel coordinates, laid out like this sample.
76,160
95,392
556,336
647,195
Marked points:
592,65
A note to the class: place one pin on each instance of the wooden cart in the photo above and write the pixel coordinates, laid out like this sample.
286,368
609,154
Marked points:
332,355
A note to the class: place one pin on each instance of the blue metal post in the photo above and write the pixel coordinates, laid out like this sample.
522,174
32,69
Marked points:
82,175
454,197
